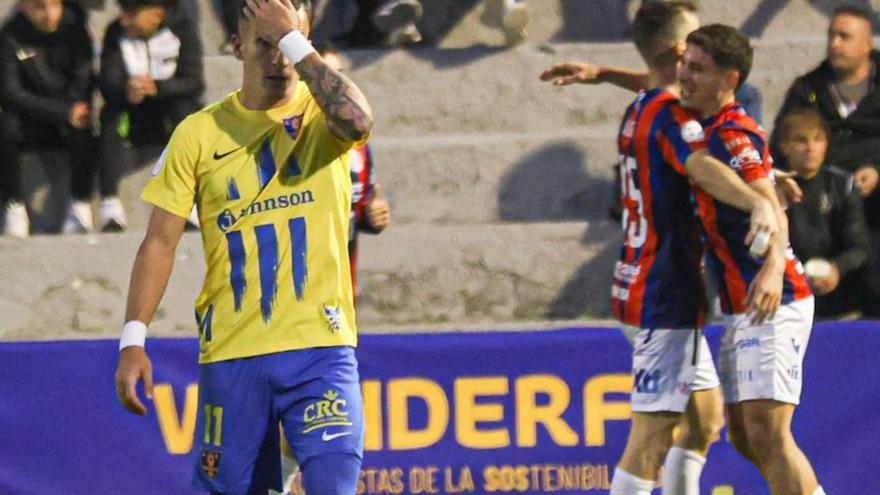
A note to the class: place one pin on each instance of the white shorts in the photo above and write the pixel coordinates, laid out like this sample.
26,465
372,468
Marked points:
666,368
766,361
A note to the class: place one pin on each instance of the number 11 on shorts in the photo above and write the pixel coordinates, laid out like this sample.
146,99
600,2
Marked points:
215,413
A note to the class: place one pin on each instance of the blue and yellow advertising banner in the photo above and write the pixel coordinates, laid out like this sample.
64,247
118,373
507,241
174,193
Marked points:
496,412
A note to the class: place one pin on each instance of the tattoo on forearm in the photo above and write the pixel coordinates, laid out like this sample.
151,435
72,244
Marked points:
347,110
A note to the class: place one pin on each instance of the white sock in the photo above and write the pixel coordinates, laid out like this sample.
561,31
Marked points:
819,491
624,483
681,472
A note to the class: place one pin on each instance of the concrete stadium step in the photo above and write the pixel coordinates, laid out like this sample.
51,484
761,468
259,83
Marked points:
75,286
447,139
453,180
457,24
429,91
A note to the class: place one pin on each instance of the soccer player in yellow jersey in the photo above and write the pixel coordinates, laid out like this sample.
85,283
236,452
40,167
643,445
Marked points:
267,169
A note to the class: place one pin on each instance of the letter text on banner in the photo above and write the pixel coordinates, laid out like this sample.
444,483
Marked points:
529,413
468,412
400,391
597,410
177,432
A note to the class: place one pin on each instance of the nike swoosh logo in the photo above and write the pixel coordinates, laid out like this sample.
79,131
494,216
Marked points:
331,436
218,156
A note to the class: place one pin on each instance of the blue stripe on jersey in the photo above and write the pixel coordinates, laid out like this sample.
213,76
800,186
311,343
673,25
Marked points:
299,251
267,246
204,322
265,164
236,273
232,193
293,168
673,271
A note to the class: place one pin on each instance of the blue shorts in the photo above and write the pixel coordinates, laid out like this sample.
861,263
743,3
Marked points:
314,393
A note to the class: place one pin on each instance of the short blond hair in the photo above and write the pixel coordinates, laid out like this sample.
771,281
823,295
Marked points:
659,26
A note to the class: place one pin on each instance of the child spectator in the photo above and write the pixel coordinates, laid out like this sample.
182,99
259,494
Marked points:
828,227
152,76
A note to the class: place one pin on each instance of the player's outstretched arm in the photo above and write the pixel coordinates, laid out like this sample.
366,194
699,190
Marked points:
724,184
568,73
349,116
765,291
149,277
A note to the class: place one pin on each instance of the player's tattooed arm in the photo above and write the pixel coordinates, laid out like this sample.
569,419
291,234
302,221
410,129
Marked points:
349,116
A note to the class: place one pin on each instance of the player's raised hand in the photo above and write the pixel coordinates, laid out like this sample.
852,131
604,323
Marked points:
787,188
273,18
134,366
568,73
378,211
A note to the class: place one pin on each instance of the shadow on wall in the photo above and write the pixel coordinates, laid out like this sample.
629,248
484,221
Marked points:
552,184
582,24
588,291
763,15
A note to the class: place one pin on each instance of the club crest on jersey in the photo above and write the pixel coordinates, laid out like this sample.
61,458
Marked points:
692,131
210,462
333,315
293,125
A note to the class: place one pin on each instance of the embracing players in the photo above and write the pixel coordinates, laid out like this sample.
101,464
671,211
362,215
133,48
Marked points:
658,293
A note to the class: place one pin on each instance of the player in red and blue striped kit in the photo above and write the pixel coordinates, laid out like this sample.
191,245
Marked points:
735,138
761,361
657,279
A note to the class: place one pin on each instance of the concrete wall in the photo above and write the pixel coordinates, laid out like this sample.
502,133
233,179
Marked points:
499,183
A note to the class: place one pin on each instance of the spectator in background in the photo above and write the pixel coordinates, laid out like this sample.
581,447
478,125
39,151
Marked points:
843,89
152,76
827,228
46,82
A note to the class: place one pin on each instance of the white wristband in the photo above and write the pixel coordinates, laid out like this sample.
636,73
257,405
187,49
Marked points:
295,46
134,334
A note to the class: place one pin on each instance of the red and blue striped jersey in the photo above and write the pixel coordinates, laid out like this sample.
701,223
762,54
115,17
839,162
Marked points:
737,140
657,282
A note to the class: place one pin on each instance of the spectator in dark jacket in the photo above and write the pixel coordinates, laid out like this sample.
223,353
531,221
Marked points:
46,82
827,227
152,76
845,91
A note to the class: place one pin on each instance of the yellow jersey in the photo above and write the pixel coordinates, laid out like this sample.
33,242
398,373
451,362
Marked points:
273,193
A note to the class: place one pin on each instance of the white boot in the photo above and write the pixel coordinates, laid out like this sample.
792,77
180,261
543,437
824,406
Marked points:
79,219
17,223
514,20
112,215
